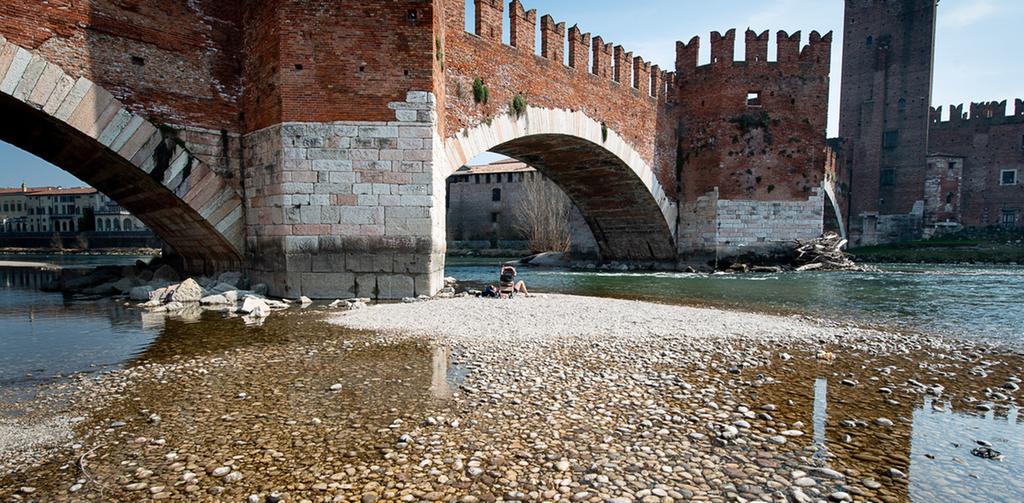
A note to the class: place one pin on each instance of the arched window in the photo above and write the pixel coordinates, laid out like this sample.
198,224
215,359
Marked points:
117,224
127,224
949,198
495,194
870,41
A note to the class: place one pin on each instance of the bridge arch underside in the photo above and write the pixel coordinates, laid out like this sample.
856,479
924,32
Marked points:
623,215
180,226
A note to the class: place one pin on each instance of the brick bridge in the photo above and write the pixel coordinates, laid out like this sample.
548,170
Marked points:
308,141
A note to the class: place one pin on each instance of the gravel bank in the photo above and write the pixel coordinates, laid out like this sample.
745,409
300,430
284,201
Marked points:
21,441
549,316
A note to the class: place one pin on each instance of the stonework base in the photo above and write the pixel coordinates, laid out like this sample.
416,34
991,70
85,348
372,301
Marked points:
713,227
347,209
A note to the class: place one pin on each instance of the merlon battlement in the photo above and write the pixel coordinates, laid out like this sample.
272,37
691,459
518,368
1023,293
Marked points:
817,52
609,61
990,112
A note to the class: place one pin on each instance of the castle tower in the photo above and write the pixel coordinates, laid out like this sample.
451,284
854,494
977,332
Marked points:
888,52
751,143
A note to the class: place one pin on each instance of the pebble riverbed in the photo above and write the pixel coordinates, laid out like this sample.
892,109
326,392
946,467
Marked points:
544,398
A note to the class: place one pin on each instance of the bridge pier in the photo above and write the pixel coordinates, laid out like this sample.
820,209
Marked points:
347,208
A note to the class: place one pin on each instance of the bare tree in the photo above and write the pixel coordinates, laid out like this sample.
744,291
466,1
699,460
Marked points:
56,242
543,215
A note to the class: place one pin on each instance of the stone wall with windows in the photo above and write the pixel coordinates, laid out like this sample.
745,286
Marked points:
483,210
991,143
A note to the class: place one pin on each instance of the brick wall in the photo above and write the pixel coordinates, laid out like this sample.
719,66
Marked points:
547,81
772,148
175,62
887,77
751,143
989,141
329,60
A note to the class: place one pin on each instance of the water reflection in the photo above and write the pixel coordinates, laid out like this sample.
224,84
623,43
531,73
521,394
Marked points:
439,366
47,335
941,463
819,416
933,447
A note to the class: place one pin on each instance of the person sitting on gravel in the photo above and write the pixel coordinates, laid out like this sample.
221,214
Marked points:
507,284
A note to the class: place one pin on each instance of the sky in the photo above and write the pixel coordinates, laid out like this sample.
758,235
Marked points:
975,57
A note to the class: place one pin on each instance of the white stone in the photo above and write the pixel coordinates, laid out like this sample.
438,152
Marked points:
255,306
15,70
187,291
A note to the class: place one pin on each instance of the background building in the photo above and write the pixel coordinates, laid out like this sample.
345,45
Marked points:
482,209
904,172
30,215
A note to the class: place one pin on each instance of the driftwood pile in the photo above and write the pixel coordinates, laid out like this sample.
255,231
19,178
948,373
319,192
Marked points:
823,254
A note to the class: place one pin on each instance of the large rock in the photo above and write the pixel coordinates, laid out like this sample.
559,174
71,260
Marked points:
222,287
188,291
104,289
215,300
159,294
125,285
140,292
251,304
232,278
166,272
255,307
205,282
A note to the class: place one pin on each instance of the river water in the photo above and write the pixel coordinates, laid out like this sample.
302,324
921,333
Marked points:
48,336
979,302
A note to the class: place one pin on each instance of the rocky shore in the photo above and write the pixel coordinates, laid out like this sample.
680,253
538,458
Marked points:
543,398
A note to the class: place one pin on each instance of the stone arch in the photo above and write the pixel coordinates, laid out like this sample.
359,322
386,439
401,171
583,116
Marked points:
628,211
80,127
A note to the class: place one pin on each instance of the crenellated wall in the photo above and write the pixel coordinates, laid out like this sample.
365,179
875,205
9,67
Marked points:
989,141
331,125
751,139
776,140
560,76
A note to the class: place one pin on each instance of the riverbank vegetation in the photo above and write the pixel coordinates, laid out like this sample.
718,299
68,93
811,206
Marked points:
966,247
